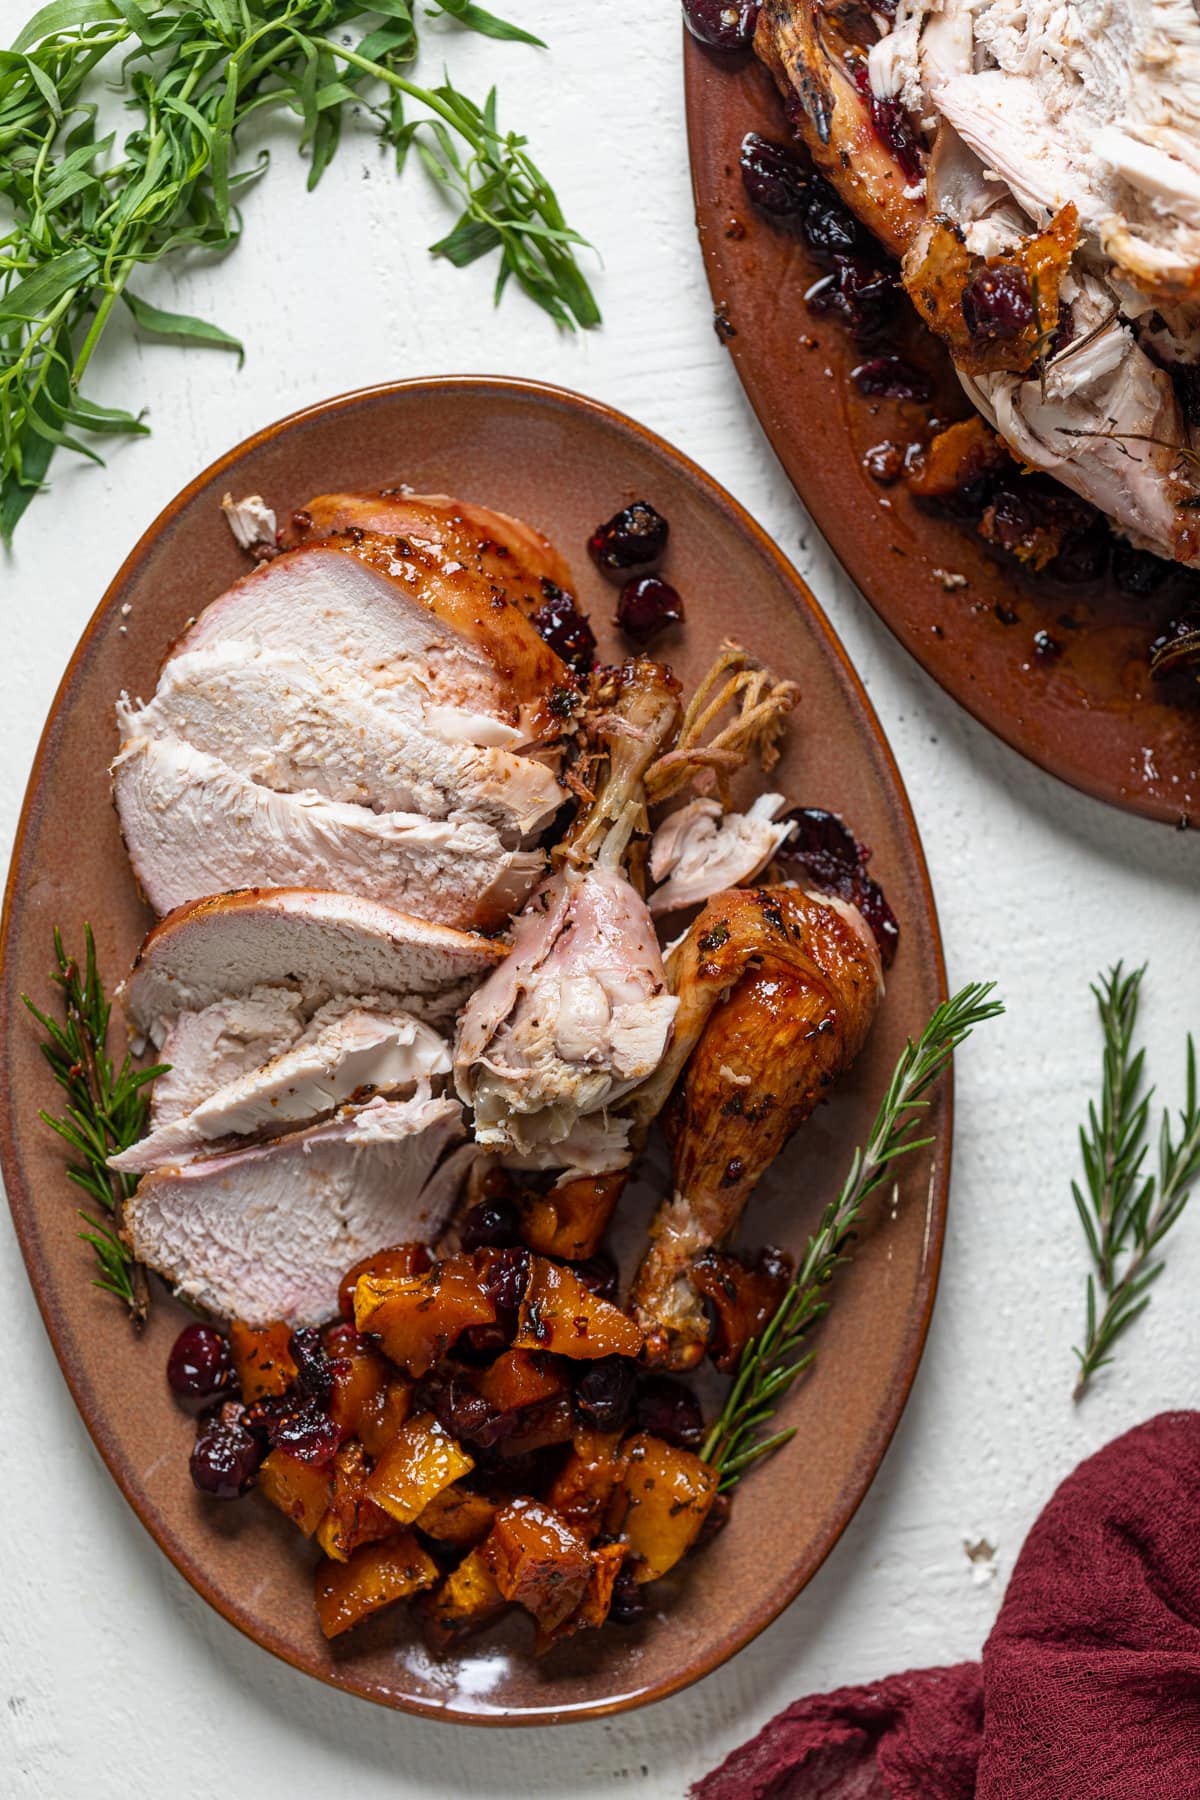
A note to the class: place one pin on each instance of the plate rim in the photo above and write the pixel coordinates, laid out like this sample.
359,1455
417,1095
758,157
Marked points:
839,536
21,1212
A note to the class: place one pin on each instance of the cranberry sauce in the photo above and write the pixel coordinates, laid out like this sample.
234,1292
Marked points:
833,862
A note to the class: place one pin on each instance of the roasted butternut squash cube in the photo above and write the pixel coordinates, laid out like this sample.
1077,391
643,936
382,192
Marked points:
400,1259
560,1314
583,1487
467,1600
357,1372
520,1378
261,1359
457,1517
374,1577
353,1517
744,1296
538,1561
299,1489
422,1460
549,1422
570,1221
381,1417
596,1604
418,1317
669,1493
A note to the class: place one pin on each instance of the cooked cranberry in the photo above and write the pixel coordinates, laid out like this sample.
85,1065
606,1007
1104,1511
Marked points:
830,226
891,126
302,1429
504,1281
561,624
313,1376
1083,555
635,536
604,1392
199,1363
834,862
628,1598
891,378
668,1410
774,176
599,1273
468,1417
721,24
998,303
1138,573
225,1457
858,292
490,1224
1046,649
648,605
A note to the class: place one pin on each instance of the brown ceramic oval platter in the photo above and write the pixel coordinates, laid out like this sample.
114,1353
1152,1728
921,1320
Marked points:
563,463
1083,705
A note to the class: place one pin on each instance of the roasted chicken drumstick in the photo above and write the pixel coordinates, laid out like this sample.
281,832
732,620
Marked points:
777,990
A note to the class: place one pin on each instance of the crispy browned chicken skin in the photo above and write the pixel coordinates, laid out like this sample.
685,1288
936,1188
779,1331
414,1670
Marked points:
777,990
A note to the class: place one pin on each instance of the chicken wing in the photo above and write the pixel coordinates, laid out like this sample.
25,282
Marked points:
777,989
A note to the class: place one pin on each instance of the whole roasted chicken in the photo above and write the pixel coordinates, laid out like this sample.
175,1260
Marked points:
777,989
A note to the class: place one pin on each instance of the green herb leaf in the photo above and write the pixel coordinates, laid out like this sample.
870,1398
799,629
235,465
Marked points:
180,326
476,19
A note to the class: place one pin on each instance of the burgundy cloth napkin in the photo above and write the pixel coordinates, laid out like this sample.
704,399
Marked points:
1089,1687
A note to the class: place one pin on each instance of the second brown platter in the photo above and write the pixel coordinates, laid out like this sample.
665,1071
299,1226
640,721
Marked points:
1088,711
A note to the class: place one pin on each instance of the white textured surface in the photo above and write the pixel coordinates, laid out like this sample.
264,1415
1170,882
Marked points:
115,1679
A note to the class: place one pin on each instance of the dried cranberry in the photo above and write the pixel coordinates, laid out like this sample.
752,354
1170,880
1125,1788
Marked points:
599,1274
998,303
467,1416
829,225
648,605
891,126
314,1377
858,292
303,1430
635,536
721,24
490,1225
199,1364
1138,573
1083,555
560,624
628,1598
668,1410
504,1280
225,1456
891,378
834,862
774,176
604,1392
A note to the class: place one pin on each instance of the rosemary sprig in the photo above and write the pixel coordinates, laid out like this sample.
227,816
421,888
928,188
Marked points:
771,1363
1126,1214
83,217
106,1112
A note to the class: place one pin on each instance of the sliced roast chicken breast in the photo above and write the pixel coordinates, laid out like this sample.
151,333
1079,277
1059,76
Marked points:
357,1051
194,826
297,725
701,849
267,1233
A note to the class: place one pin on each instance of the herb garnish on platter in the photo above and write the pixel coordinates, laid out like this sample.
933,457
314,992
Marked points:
106,1112
771,1363
83,218
1126,1215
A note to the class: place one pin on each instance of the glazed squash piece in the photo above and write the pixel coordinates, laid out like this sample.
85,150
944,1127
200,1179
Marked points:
593,1609
457,1517
520,1378
538,1561
374,1577
670,1492
467,1600
422,1461
380,1419
560,1314
571,1219
399,1260
262,1360
299,1489
583,1487
417,1318
353,1518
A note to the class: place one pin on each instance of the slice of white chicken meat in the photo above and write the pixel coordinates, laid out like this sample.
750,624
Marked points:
194,826
268,1232
701,850
348,1049
574,1018
297,726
